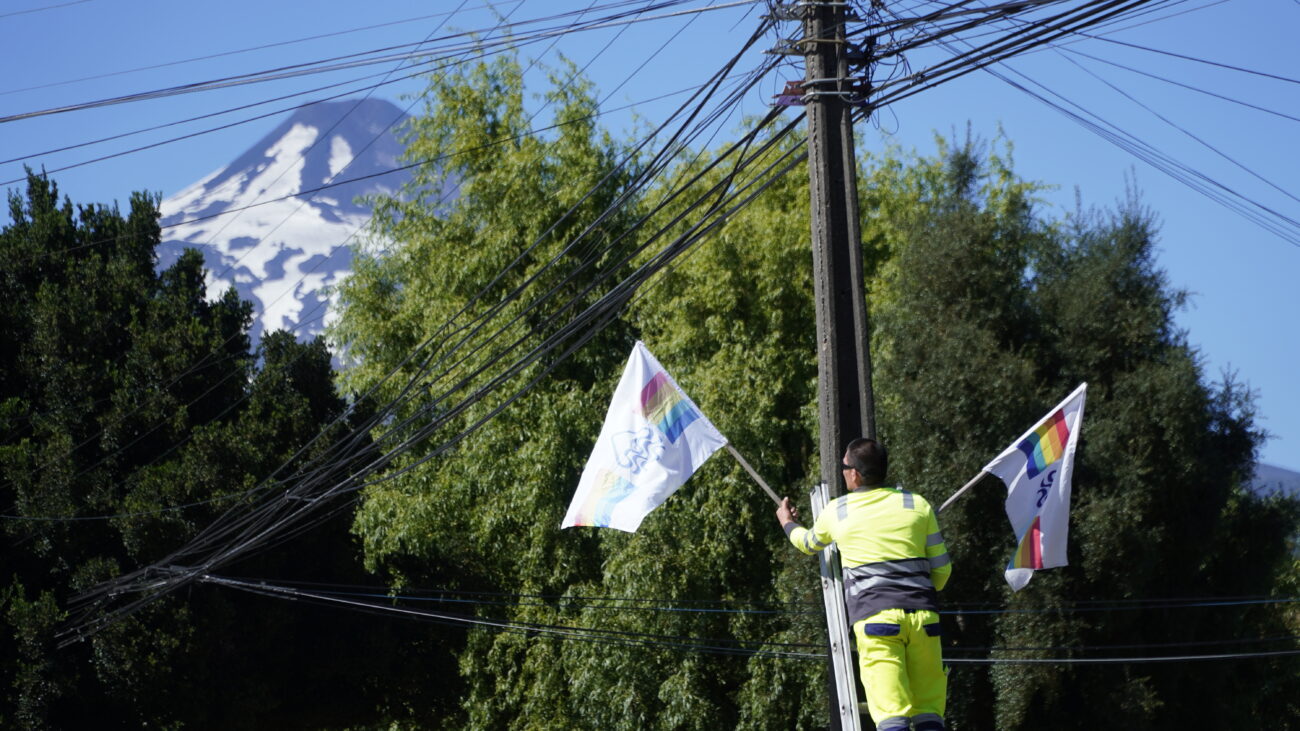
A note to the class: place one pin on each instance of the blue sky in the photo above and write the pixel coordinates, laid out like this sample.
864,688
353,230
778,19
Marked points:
1242,317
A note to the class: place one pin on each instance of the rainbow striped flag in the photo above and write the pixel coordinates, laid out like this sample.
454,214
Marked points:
653,440
1037,469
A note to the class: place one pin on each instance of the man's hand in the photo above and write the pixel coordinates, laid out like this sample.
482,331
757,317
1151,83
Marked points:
786,512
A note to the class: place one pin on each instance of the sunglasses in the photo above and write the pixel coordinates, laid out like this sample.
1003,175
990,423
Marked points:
847,466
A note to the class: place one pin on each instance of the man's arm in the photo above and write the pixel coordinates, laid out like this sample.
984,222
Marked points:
937,552
807,541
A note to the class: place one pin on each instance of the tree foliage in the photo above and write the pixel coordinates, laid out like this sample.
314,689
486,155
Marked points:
985,311
133,412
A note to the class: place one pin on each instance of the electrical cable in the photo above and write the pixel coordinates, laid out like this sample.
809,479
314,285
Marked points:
728,645
362,59
41,9
582,339
225,54
1175,82
600,312
709,645
1266,217
489,415
537,112
144,435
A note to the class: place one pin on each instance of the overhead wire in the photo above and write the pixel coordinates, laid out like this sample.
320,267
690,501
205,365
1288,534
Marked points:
1186,132
725,646
226,54
1175,82
558,600
1143,105
406,167
1265,216
369,58
489,414
229,407
255,535
600,312
729,646
43,8
533,116
534,113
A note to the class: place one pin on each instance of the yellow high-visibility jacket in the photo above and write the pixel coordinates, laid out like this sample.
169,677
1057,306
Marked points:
892,553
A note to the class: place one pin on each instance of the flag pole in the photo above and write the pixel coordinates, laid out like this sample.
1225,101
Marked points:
963,489
753,474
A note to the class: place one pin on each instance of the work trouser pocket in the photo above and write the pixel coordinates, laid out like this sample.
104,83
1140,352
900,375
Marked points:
880,629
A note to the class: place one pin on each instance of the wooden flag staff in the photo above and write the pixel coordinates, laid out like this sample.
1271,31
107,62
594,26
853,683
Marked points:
963,489
753,474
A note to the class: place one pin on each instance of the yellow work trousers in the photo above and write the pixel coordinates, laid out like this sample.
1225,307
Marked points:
902,668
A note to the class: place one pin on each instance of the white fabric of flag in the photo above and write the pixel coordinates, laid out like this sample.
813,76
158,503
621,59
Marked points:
653,440
1037,469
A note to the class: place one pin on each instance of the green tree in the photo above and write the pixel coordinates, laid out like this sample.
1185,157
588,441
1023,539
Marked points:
985,312
125,392
484,516
986,303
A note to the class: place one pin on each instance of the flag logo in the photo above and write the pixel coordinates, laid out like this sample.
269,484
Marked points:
608,492
664,407
1029,555
1038,469
653,440
634,450
1045,444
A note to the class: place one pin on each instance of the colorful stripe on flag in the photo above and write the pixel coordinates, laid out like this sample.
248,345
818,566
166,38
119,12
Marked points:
1045,444
1029,555
608,492
664,407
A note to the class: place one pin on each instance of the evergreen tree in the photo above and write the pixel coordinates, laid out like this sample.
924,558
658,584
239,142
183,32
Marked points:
132,413
985,312
985,304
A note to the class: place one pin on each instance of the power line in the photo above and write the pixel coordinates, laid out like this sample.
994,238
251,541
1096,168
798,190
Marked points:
1116,660
268,524
734,646
537,112
42,9
368,58
225,54
721,646
1266,217
410,166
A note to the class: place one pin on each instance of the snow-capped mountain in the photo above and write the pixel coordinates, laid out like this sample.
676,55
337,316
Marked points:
280,249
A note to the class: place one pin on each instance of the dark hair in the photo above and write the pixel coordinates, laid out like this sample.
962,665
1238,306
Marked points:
870,459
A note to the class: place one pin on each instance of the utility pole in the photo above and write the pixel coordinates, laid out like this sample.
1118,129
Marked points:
845,403
844,396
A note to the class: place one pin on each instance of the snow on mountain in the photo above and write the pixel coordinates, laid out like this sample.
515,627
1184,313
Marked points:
280,249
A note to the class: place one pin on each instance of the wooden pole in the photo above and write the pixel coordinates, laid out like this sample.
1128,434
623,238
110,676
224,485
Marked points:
843,369
753,474
963,489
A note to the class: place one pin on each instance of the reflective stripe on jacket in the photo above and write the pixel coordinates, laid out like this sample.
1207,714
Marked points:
891,550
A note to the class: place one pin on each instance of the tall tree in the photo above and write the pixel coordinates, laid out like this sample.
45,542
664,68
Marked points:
484,517
132,413
987,314
985,311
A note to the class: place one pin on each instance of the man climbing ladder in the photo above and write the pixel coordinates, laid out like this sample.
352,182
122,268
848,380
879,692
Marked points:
894,562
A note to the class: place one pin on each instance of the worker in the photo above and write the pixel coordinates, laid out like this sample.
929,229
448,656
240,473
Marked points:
894,562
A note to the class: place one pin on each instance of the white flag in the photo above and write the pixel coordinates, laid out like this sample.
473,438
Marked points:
1037,469
654,438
